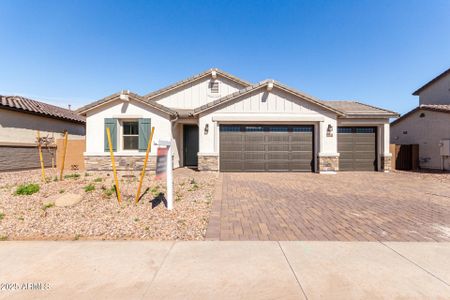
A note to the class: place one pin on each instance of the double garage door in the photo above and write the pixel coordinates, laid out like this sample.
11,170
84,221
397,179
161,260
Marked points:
270,148
357,148
266,148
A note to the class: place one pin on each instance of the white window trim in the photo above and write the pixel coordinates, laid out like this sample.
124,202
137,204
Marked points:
121,135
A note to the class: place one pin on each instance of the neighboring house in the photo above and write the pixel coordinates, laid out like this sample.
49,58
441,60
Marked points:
20,119
428,124
217,121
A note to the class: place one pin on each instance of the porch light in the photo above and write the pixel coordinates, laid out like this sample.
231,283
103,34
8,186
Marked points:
330,130
206,128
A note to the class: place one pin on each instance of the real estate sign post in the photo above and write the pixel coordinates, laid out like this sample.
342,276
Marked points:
164,166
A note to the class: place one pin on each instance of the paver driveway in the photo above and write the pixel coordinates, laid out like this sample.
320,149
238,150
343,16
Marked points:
353,206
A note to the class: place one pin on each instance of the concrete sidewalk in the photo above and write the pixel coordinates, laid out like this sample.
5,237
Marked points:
226,270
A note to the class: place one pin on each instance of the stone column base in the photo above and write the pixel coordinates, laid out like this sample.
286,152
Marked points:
328,163
386,162
208,162
123,163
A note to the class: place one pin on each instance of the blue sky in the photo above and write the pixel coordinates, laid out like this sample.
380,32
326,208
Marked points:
377,52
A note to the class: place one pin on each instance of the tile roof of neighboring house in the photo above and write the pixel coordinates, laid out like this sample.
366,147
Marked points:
194,78
84,109
445,108
354,108
254,87
443,74
26,105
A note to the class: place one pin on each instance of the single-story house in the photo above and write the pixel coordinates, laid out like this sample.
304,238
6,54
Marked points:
427,125
217,121
20,119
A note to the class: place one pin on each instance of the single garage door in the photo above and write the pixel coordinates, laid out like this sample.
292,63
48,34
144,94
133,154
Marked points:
256,148
358,148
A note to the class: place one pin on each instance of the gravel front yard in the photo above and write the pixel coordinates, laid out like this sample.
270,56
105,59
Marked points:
98,215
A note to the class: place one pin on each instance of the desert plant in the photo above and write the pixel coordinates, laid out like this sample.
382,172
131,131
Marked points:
61,191
27,189
47,206
108,192
89,188
98,179
3,237
2,215
87,174
72,176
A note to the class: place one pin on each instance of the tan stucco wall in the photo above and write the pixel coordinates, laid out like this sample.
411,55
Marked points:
426,132
437,93
17,127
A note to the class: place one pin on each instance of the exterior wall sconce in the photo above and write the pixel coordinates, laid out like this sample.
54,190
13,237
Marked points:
329,130
206,128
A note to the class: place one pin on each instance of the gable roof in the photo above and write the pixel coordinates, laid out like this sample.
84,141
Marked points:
429,83
31,106
444,108
134,96
189,80
355,108
257,86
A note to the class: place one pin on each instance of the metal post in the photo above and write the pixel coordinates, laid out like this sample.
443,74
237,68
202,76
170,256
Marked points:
116,179
169,174
149,148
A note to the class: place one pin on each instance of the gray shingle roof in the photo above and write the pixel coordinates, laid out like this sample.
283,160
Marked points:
27,105
354,108
84,109
194,78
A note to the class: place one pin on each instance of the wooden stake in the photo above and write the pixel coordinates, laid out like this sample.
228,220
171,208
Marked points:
116,180
41,158
149,148
64,156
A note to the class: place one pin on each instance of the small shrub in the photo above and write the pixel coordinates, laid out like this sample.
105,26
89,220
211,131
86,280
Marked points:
27,189
55,178
76,237
136,219
47,206
61,191
98,179
20,218
193,181
147,228
2,215
108,192
72,176
3,237
89,188
87,174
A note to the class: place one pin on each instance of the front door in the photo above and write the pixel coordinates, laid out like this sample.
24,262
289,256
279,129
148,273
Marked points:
190,145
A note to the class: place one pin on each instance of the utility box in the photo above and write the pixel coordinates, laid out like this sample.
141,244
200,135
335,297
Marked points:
445,147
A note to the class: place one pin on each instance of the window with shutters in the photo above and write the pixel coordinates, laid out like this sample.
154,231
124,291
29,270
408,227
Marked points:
214,87
130,135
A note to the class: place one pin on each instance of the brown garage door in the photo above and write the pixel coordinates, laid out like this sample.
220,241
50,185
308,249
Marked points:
358,148
256,148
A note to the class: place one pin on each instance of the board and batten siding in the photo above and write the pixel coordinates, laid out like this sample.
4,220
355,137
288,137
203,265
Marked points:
262,107
197,93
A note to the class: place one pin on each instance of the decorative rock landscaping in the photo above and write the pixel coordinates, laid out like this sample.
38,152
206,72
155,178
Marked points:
85,206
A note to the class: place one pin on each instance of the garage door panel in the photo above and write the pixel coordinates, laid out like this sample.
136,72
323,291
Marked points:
357,148
266,148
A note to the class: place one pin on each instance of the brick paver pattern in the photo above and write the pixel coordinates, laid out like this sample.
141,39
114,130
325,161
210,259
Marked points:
353,206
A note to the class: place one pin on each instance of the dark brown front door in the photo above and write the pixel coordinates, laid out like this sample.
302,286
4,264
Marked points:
266,148
357,147
190,145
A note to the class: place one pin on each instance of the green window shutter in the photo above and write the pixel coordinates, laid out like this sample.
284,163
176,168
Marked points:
111,123
145,127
